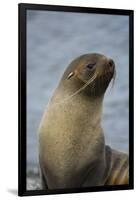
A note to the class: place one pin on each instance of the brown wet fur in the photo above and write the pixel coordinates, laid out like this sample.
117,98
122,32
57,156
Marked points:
72,150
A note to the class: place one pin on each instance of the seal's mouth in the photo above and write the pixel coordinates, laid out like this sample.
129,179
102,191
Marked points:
109,71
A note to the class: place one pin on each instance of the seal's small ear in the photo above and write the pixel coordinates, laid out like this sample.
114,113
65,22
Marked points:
70,75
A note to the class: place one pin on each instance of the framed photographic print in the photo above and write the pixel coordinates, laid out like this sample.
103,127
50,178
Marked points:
75,99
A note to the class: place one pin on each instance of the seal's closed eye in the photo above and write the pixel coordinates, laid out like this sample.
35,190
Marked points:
90,65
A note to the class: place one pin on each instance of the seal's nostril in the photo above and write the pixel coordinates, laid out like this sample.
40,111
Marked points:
111,63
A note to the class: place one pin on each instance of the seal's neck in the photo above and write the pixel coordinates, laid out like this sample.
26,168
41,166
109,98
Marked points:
81,104
76,139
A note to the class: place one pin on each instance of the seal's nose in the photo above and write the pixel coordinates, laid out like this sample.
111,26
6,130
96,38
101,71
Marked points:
111,63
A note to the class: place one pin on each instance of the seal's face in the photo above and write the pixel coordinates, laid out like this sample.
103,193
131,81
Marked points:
94,70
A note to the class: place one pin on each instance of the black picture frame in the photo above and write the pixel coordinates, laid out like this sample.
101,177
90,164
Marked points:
22,8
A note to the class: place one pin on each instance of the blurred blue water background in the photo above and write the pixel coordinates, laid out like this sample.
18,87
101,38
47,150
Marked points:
54,39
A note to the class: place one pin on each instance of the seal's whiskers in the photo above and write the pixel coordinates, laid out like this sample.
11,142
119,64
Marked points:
114,77
78,91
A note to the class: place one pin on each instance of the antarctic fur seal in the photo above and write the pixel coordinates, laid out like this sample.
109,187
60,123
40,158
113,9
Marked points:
72,150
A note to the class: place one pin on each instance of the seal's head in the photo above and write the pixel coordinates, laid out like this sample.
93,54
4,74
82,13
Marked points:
93,71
